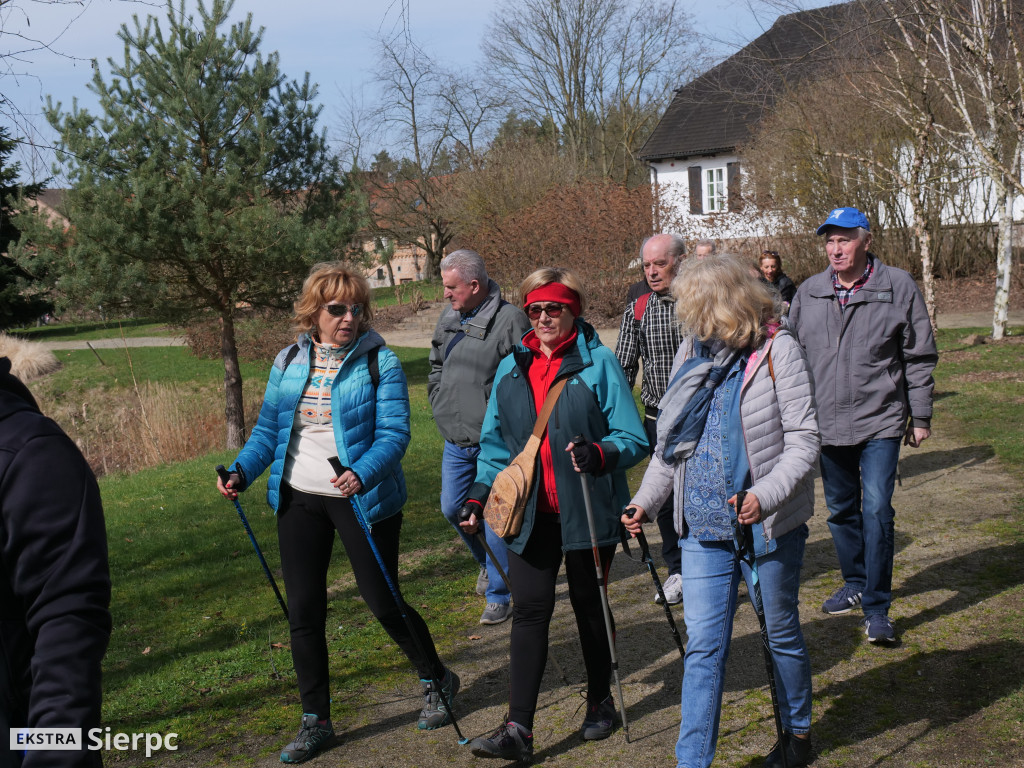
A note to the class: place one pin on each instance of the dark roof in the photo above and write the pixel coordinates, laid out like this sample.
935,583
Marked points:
716,112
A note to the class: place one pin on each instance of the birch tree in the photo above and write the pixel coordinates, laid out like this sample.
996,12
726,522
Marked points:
975,50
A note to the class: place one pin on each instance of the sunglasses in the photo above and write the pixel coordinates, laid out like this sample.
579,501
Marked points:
340,310
552,310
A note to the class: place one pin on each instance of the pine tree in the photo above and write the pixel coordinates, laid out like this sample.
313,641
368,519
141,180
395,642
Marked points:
203,185
18,306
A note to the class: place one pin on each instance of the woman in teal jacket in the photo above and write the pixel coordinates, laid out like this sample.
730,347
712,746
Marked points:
337,392
597,403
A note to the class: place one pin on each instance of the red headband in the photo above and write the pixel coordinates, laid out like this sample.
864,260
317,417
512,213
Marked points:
563,294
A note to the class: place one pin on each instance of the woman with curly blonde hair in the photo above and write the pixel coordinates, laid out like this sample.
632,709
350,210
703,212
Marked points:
738,421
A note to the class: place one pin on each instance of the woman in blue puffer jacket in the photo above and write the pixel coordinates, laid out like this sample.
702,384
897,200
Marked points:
337,392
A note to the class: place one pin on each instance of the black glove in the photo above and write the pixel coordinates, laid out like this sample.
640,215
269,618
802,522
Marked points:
588,457
471,508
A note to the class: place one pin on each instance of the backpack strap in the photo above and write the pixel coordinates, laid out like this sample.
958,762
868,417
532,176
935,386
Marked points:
374,365
771,368
372,362
640,306
293,350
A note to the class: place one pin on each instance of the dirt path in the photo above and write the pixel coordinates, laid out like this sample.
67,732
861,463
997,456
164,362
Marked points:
944,696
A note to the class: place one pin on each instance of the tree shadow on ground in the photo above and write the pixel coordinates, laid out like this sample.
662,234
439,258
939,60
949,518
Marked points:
919,463
973,577
939,688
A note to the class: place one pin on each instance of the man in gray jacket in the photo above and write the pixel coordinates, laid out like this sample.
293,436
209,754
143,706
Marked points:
871,350
473,334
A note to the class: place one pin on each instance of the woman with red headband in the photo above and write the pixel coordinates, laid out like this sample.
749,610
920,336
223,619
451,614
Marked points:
597,403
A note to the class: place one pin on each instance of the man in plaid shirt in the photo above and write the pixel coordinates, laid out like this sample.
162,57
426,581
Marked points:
650,332
871,352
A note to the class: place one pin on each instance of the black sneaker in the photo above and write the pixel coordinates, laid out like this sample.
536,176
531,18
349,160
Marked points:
312,738
434,713
600,721
510,742
798,752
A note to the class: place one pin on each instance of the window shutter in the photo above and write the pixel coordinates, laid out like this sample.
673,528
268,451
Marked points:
735,200
696,193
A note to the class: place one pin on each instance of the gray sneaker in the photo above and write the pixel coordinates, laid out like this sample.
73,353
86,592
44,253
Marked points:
673,589
495,613
482,581
312,738
434,713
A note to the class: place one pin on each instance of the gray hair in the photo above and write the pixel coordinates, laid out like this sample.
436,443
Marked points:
466,264
677,247
709,243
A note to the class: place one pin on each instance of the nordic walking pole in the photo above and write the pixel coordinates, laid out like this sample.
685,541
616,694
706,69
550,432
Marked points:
646,559
339,469
745,551
603,589
481,536
225,476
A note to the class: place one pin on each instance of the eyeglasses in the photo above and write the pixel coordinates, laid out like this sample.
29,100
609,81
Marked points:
552,310
340,310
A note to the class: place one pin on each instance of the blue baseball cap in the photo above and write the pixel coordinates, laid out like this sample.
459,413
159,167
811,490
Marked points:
847,218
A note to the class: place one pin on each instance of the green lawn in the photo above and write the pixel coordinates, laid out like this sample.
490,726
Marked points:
88,331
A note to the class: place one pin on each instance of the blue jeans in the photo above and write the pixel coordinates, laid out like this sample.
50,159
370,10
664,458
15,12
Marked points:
458,471
858,482
711,575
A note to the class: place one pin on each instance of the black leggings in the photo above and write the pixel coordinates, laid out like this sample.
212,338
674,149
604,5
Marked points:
305,530
533,575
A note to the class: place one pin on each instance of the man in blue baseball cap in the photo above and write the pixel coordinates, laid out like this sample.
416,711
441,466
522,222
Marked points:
870,347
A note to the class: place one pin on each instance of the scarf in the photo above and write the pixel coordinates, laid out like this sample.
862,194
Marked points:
687,401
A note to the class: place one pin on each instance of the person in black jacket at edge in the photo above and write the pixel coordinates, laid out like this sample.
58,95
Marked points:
54,581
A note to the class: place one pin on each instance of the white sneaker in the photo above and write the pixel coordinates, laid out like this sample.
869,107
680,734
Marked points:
482,581
673,589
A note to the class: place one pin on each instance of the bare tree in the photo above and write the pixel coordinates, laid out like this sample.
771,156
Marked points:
599,70
975,50
23,46
438,121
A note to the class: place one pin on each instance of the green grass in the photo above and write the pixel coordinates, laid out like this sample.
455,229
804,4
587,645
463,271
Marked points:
429,290
88,331
979,392
83,370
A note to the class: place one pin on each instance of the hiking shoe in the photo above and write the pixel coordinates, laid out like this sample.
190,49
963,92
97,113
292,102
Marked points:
434,713
510,742
600,721
495,613
482,581
798,752
312,738
843,600
673,589
879,628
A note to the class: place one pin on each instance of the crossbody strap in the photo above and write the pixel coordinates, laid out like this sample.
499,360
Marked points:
549,406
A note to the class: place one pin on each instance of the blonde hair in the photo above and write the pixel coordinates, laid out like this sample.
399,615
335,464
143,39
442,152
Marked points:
546,275
331,281
718,297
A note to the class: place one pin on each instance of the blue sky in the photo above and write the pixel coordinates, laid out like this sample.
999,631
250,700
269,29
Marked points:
331,39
